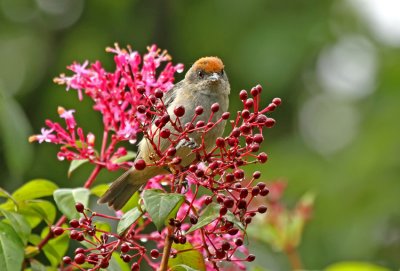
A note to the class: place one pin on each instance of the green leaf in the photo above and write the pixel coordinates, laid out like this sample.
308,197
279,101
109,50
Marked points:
128,219
11,248
75,164
129,156
34,189
37,266
20,225
190,258
5,194
355,266
100,225
210,213
67,198
56,247
161,206
117,264
99,190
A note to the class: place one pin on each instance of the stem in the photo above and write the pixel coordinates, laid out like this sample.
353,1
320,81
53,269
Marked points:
294,258
166,251
62,219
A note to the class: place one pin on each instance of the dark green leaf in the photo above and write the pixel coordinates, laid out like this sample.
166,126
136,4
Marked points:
75,164
20,225
56,247
128,219
67,198
161,206
210,213
11,248
190,258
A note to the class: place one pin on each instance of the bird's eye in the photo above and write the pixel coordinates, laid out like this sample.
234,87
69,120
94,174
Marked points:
222,72
200,74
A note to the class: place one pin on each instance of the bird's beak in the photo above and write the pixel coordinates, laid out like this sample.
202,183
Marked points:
214,77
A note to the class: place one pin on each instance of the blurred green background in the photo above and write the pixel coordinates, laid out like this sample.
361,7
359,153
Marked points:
334,63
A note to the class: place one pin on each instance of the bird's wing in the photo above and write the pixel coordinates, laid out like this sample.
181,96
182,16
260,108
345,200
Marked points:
170,96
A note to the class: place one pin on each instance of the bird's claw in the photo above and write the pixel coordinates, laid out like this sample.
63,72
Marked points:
190,143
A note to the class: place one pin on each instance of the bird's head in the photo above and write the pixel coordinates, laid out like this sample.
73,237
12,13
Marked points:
208,73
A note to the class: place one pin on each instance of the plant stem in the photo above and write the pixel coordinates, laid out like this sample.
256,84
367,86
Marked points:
167,250
63,219
294,258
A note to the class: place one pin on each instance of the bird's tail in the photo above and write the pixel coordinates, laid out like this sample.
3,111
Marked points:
122,189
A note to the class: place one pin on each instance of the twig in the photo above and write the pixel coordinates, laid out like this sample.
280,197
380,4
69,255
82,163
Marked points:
167,250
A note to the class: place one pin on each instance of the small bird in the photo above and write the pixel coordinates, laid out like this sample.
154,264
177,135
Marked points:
204,84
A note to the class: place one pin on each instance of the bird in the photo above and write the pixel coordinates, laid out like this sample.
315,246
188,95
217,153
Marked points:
204,84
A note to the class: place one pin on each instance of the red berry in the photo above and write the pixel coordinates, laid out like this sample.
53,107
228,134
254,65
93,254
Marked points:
200,123
171,151
220,254
254,147
262,157
179,111
140,164
125,248
250,258
154,253
80,237
225,115
182,240
199,173
141,90
259,88
230,177
58,231
135,267
239,174
220,142
243,193
80,258
233,231
255,191
226,246
215,107
229,202
271,107
249,103
254,91
79,207
235,132
238,242
165,133
270,122
258,138
245,114
261,185
193,220
199,110
104,263
67,260
247,220
79,250
158,93
141,109
264,192
256,174
126,258
261,119
74,223
245,128
243,95
73,234
277,101
262,209
241,204
192,168
208,200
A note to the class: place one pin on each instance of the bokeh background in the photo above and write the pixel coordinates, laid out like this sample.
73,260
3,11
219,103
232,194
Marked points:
334,63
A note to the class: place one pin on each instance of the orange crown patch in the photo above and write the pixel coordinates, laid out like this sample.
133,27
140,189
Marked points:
209,64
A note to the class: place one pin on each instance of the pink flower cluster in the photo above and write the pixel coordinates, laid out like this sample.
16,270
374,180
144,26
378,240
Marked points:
116,95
